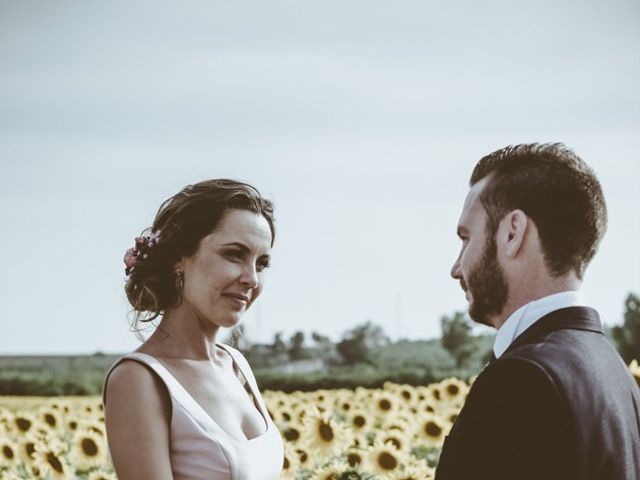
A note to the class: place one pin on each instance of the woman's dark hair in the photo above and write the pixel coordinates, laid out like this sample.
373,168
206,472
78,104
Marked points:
181,222
557,190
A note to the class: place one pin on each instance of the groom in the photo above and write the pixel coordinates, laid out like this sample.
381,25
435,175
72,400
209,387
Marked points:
556,401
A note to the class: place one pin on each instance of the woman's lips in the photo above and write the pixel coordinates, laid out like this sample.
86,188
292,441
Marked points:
238,297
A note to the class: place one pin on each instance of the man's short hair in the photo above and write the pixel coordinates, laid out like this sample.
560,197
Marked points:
554,188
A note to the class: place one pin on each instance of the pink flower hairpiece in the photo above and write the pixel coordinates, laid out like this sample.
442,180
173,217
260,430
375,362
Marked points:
140,251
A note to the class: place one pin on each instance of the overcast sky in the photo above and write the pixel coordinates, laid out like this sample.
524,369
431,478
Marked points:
362,120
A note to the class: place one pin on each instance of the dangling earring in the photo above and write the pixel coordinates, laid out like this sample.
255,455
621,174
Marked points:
179,280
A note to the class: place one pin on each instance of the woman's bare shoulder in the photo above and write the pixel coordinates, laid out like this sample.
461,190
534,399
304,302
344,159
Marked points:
138,417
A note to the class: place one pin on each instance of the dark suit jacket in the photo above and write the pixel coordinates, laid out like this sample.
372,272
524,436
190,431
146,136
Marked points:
558,404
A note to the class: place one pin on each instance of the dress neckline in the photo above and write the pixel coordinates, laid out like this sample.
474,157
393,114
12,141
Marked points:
203,413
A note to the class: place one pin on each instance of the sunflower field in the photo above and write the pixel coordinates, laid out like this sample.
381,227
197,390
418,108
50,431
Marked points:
394,432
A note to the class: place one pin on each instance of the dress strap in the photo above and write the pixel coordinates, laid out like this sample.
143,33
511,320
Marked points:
173,386
251,386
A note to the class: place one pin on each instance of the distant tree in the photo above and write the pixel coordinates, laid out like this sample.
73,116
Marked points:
357,344
296,346
278,345
320,339
457,338
627,335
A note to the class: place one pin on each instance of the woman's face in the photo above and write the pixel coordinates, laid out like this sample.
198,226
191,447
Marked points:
224,277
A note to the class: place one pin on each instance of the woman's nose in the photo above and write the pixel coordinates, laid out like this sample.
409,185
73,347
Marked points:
249,276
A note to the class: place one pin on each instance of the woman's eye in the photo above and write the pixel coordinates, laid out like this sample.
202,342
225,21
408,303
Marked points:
260,266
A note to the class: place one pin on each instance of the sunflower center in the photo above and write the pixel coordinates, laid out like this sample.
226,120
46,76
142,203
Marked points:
8,452
387,461
73,425
432,429
436,394
286,464
286,417
326,432
23,424
406,395
30,448
54,462
291,434
303,456
50,419
354,459
453,389
359,421
385,404
89,447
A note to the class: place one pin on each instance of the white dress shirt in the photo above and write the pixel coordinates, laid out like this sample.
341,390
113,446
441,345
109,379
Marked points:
530,313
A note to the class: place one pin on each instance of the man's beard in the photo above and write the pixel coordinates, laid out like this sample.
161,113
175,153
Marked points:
487,285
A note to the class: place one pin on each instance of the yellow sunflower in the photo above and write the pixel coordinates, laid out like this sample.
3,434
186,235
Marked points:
291,433
384,404
291,462
53,464
332,471
6,418
429,406
385,460
408,394
449,414
71,424
344,405
398,423
88,450
432,430
93,426
304,459
454,390
435,392
9,453
361,440
412,472
27,448
284,415
359,420
24,422
50,418
325,436
355,456
398,439
102,475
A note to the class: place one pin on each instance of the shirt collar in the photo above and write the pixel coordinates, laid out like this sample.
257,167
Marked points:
530,313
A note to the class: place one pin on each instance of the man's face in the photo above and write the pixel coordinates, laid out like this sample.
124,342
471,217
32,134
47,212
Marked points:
477,268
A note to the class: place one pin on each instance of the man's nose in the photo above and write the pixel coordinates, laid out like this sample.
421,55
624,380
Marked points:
455,269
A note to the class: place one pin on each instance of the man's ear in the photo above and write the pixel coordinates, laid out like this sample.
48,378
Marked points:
512,232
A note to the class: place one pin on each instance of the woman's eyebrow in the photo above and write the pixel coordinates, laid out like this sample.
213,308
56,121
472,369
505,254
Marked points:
236,244
242,247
